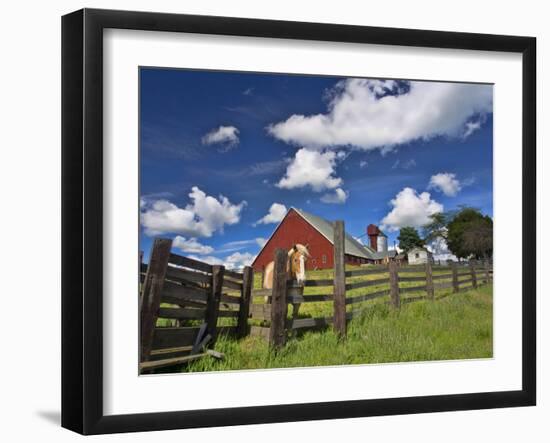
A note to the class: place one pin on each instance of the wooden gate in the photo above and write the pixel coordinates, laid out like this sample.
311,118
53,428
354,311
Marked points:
185,304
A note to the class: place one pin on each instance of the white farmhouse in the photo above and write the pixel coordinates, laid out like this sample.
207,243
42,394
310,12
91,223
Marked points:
418,256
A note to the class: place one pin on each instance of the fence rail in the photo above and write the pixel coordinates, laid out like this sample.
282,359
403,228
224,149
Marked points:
368,271
367,297
366,283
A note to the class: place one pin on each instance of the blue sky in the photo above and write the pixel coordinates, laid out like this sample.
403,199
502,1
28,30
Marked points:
223,154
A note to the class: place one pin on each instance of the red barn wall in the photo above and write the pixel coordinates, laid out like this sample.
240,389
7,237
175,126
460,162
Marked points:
294,229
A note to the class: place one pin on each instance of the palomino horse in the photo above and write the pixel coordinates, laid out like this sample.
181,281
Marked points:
296,265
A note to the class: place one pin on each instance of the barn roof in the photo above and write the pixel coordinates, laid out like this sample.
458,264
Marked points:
326,228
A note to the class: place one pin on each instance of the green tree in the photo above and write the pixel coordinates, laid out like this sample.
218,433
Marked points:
437,227
470,233
409,238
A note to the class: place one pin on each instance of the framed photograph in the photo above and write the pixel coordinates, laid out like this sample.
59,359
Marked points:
269,221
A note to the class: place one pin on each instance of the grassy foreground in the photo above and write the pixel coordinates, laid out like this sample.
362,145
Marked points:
458,326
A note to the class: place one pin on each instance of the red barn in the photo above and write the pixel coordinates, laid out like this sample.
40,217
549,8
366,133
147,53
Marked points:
317,234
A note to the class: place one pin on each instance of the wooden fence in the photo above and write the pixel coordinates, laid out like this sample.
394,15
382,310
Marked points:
185,304
348,291
198,300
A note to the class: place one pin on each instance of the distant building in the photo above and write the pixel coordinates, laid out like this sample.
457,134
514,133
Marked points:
401,258
418,256
378,241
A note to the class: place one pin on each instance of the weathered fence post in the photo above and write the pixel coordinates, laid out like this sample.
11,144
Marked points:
213,301
455,276
277,333
339,280
472,265
246,300
429,280
151,290
487,274
394,285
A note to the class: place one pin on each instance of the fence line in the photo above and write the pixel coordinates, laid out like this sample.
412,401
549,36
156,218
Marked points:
392,281
185,304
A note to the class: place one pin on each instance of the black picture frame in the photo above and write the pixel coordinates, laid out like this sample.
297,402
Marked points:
82,233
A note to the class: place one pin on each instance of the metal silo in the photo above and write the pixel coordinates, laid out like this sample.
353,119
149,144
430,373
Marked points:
382,243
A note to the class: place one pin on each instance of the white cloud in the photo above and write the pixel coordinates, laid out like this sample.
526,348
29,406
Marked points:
395,248
339,196
440,250
360,114
342,155
241,244
276,213
227,136
238,260
233,261
201,218
191,245
381,87
410,209
471,127
363,164
210,259
445,182
311,168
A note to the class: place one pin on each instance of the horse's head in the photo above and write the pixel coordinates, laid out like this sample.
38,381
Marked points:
298,256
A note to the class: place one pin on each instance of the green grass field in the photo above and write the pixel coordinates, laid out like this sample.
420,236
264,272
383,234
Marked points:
455,326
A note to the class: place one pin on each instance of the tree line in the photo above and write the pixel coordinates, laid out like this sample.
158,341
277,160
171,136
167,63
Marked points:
467,232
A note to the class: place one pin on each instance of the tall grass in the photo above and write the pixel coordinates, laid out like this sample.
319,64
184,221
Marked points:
455,327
